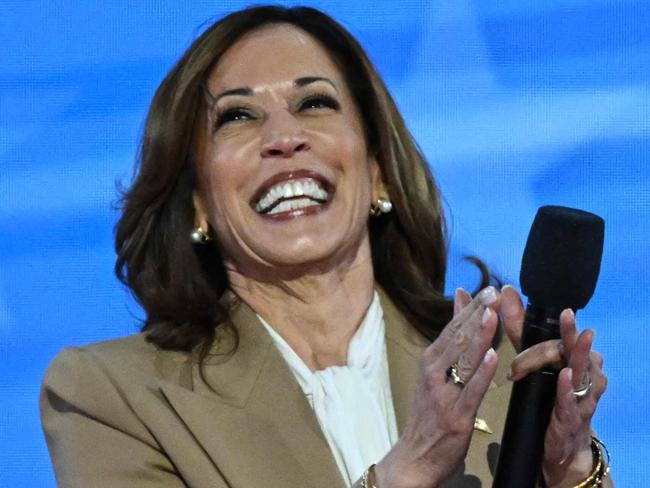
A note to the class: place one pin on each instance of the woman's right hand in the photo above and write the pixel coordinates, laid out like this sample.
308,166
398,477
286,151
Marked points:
437,434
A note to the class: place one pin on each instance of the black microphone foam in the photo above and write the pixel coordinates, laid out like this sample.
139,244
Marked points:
561,261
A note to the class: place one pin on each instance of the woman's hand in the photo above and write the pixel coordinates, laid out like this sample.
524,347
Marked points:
568,459
437,435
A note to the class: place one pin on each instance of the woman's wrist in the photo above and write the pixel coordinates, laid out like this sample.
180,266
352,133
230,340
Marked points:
388,473
589,469
601,465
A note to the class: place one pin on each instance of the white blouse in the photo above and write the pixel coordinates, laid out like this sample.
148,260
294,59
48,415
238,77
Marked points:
353,403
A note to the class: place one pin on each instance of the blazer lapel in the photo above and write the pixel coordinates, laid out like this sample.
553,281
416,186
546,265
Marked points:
256,426
404,346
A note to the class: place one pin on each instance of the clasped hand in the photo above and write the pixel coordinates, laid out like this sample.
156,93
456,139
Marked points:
436,437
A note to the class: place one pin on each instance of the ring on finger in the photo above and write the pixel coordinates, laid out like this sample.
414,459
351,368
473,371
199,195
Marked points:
583,391
453,375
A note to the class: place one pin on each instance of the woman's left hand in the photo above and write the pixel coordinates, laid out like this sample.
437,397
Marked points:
568,458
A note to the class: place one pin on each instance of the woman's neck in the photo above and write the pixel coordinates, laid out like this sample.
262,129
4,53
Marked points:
316,313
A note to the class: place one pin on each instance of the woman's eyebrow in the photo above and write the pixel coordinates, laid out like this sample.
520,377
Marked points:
306,80
299,82
245,91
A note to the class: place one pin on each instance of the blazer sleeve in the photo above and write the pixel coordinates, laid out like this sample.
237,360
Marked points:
93,436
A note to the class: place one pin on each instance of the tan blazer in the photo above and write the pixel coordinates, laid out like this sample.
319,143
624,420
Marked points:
123,413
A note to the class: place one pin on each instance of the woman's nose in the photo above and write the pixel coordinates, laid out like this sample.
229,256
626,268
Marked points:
284,137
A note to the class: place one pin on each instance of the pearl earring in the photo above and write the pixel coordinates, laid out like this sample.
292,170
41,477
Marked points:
199,236
381,206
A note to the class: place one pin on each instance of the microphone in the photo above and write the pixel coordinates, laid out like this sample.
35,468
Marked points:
559,270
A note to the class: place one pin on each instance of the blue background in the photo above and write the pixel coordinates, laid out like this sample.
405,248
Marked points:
516,103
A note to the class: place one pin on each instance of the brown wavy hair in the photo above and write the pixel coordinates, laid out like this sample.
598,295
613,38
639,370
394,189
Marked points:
179,284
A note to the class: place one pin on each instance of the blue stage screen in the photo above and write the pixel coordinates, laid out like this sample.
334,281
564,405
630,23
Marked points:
516,104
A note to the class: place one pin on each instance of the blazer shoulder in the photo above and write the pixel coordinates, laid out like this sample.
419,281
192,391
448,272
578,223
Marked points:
134,350
96,404
107,381
126,362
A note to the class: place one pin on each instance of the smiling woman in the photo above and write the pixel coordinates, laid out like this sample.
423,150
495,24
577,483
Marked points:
282,121
204,114
285,238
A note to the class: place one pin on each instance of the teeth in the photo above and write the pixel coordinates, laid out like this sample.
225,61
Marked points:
288,205
277,198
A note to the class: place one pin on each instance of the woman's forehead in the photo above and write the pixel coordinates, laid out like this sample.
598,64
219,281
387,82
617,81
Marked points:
272,56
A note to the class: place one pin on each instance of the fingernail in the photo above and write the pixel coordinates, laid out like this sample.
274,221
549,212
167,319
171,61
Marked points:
457,302
509,374
488,295
570,313
489,355
486,317
509,307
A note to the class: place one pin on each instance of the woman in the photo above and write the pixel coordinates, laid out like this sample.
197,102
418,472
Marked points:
285,238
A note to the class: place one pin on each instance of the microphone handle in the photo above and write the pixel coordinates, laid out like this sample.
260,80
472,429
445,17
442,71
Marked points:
529,412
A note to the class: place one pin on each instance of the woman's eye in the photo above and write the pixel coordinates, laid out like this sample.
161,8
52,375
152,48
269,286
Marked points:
232,115
318,102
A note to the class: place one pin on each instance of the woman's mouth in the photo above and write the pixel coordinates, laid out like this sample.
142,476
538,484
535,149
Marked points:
292,193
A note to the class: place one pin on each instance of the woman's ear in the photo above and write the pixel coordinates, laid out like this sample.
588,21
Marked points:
200,215
379,189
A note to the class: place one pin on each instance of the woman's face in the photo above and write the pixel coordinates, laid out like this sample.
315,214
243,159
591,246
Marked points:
285,178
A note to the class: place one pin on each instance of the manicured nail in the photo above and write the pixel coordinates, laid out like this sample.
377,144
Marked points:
489,355
509,307
486,317
571,314
488,295
457,303
507,288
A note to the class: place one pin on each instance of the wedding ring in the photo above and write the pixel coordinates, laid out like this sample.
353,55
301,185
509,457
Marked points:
453,375
583,391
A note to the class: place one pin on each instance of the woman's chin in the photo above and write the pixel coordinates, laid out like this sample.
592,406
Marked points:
299,255
308,254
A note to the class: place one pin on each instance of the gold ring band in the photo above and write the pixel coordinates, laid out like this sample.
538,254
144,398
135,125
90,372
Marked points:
453,375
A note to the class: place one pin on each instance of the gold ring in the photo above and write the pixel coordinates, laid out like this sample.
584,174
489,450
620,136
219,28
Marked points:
453,375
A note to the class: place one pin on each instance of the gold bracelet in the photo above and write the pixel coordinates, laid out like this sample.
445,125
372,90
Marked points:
368,478
601,465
